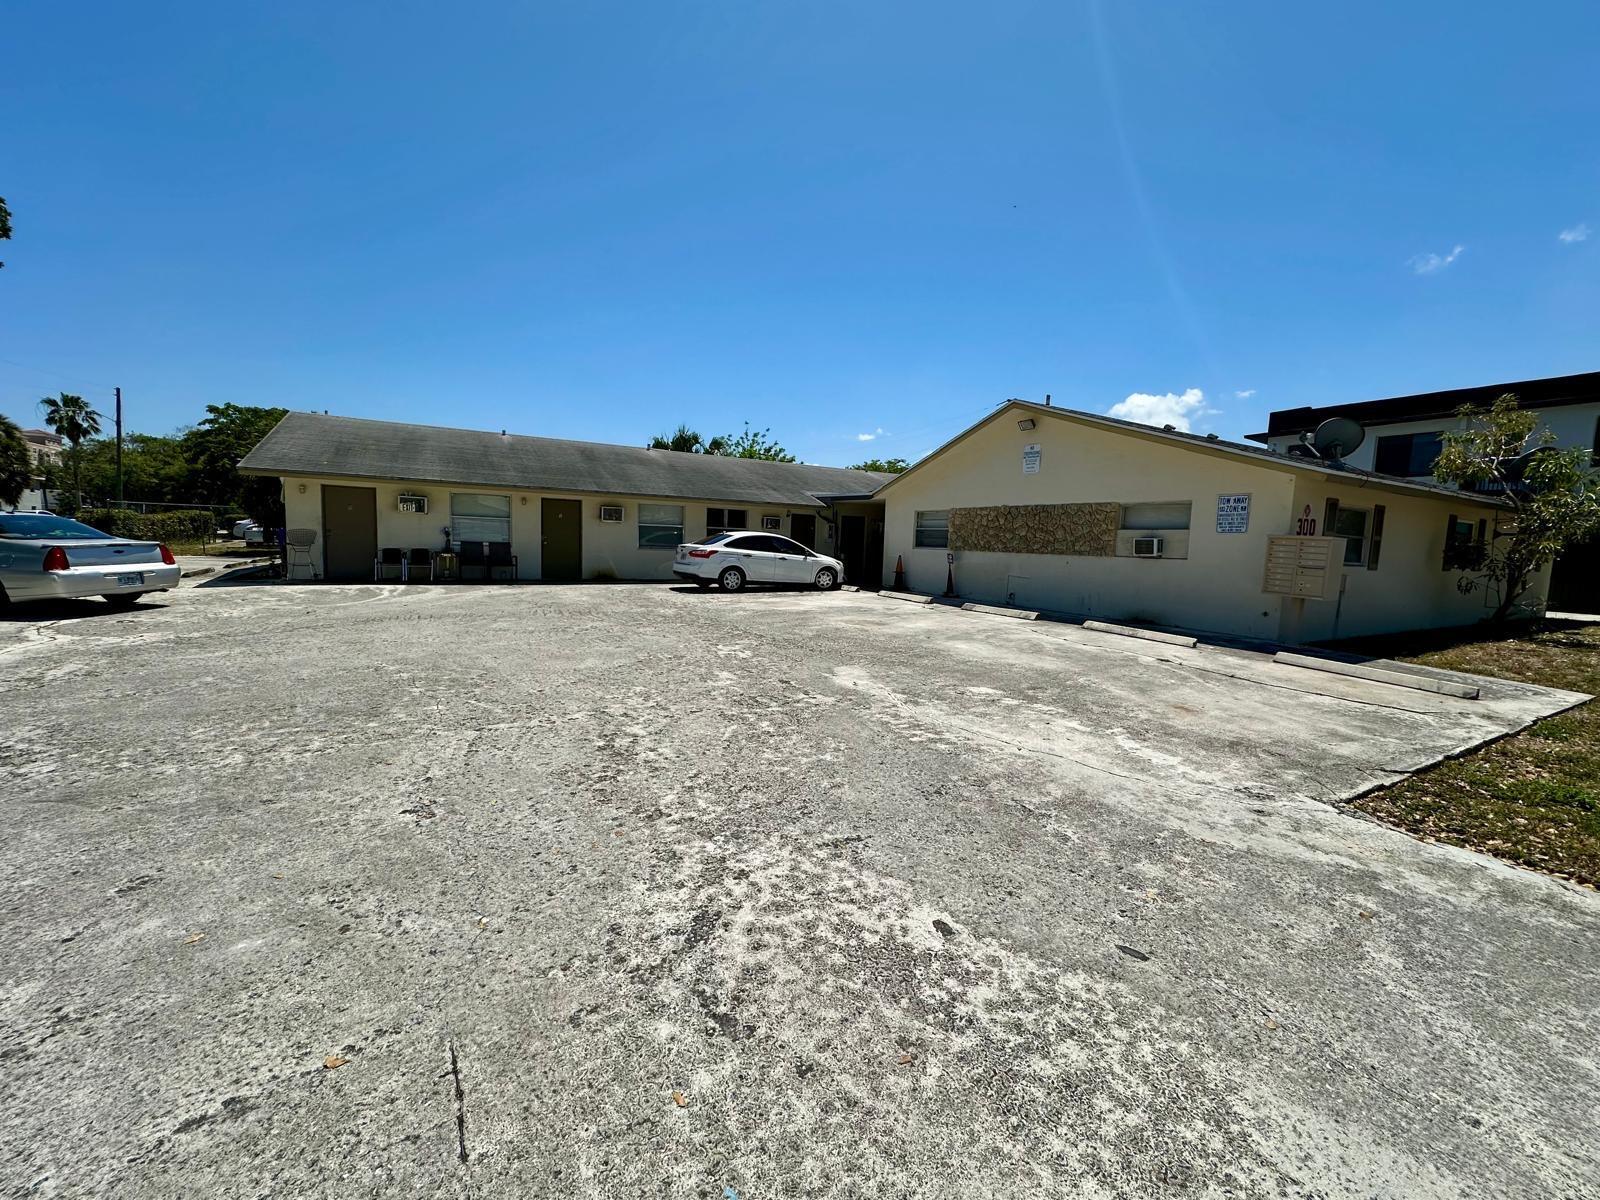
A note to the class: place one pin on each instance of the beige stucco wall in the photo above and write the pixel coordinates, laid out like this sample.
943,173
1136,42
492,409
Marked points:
608,549
1216,587
1409,589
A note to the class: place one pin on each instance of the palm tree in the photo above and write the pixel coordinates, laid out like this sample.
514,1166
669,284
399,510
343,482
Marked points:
16,463
687,441
74,420
683,439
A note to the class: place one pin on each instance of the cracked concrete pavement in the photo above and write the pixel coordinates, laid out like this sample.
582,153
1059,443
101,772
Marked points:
627,890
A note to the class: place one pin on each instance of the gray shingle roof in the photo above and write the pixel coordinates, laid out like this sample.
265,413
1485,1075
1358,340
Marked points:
350,447
1259,454
1292,462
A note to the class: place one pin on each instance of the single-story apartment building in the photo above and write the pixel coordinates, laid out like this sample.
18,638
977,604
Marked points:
564,510
1034,506
1048,508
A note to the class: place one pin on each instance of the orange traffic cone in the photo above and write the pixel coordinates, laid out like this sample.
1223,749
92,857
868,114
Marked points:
899,573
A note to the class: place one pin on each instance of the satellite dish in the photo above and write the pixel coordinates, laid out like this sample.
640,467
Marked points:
1338,436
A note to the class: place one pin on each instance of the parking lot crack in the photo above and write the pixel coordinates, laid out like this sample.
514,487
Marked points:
461,1103
1330,794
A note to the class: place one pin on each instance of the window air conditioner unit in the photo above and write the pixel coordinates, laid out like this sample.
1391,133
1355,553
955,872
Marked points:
413,504
1148,547
772,523
611,514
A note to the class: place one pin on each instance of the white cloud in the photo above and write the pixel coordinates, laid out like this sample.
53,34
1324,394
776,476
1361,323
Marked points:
1171,409
867,437
1578,233
1246,394
1427,264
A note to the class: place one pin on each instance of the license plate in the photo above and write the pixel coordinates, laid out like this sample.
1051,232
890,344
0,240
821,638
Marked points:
130,580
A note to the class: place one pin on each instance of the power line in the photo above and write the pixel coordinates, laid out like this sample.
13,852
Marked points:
75,379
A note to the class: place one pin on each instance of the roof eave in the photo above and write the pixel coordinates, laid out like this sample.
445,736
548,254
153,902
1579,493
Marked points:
1270,462
298,473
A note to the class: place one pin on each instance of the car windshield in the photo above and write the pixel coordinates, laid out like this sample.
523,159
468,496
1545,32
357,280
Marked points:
39,527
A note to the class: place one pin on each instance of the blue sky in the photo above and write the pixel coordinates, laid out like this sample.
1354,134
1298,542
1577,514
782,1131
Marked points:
839,220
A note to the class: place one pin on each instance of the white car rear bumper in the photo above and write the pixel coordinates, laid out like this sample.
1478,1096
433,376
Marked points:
76,582
696,568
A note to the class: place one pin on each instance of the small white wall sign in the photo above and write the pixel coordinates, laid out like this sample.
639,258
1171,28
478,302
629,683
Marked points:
1233,513
1031,454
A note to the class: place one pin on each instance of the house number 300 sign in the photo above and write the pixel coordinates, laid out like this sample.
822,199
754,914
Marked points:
1306,526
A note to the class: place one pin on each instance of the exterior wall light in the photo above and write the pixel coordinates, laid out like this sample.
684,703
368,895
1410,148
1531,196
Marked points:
302,489
1025,424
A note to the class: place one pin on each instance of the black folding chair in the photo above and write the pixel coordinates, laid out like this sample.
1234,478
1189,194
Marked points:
389,556
419,561
473,558
500,556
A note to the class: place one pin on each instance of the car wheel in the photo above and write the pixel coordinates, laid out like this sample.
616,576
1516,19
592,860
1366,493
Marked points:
731,580
827,580
124,599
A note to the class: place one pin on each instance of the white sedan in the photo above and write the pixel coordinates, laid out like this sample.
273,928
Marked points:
733,560
56,558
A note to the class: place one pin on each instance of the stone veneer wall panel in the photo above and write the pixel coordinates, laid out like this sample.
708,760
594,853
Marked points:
1082,529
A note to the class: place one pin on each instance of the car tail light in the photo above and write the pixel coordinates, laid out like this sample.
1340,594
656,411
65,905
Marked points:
55,559
166,556
703,552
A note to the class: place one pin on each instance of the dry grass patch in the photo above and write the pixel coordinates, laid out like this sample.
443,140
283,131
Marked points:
1532,798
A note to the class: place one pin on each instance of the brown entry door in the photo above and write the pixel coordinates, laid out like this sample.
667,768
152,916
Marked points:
852,548
561,524
349,532
803,529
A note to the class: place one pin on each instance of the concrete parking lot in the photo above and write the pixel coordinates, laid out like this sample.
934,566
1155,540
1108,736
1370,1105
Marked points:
630,890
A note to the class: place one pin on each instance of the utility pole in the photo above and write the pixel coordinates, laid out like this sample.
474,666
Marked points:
119,447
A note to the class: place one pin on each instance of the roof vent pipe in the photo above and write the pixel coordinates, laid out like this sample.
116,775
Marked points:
1047,399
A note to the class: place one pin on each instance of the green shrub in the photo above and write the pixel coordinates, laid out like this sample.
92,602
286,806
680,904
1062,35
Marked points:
180,525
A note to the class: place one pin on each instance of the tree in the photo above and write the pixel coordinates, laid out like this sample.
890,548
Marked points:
214,448
72,418
686,441
1553,495
16,463
153,468
888,466
753,443
682,439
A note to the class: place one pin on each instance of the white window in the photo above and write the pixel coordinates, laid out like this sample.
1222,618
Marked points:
1156,516
933,528
479,518
721,520
660,526
1351,524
